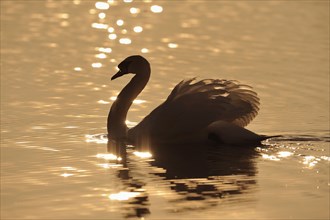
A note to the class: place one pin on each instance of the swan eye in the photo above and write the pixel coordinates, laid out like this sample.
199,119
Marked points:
124,65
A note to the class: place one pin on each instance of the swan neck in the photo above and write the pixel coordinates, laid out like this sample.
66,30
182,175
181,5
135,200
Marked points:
116,126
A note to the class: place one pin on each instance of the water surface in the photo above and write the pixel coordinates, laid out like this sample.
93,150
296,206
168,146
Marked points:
57,58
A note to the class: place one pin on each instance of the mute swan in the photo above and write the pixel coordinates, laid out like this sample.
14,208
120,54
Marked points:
194,112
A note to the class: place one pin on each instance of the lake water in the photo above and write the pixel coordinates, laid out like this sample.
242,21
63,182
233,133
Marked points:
57,58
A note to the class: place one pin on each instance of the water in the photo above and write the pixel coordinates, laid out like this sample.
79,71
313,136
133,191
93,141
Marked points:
57,58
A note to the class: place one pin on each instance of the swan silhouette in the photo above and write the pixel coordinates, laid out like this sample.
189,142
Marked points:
209,110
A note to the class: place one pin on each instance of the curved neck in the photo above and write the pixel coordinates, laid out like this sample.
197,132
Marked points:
117,128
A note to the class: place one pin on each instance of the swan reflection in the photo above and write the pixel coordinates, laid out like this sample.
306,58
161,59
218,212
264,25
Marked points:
187,174
133,194
196,162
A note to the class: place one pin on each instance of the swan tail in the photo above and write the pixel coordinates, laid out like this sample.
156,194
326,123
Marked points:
228,133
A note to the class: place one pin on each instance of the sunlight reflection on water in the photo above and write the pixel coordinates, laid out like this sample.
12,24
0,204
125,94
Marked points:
118,30
57,60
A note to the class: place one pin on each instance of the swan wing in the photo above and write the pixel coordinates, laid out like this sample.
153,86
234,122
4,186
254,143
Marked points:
228,100
193,105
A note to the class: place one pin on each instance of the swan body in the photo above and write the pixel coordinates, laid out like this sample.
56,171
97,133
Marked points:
213,110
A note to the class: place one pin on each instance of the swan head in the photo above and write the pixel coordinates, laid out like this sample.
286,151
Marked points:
135,64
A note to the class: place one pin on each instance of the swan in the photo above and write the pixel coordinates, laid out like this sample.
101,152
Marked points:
209,110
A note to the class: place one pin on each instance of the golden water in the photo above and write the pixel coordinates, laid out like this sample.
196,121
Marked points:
57,58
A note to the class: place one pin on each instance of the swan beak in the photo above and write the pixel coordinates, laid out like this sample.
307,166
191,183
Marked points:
118,74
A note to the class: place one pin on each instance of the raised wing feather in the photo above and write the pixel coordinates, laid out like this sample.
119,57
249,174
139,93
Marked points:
193,105
232,102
